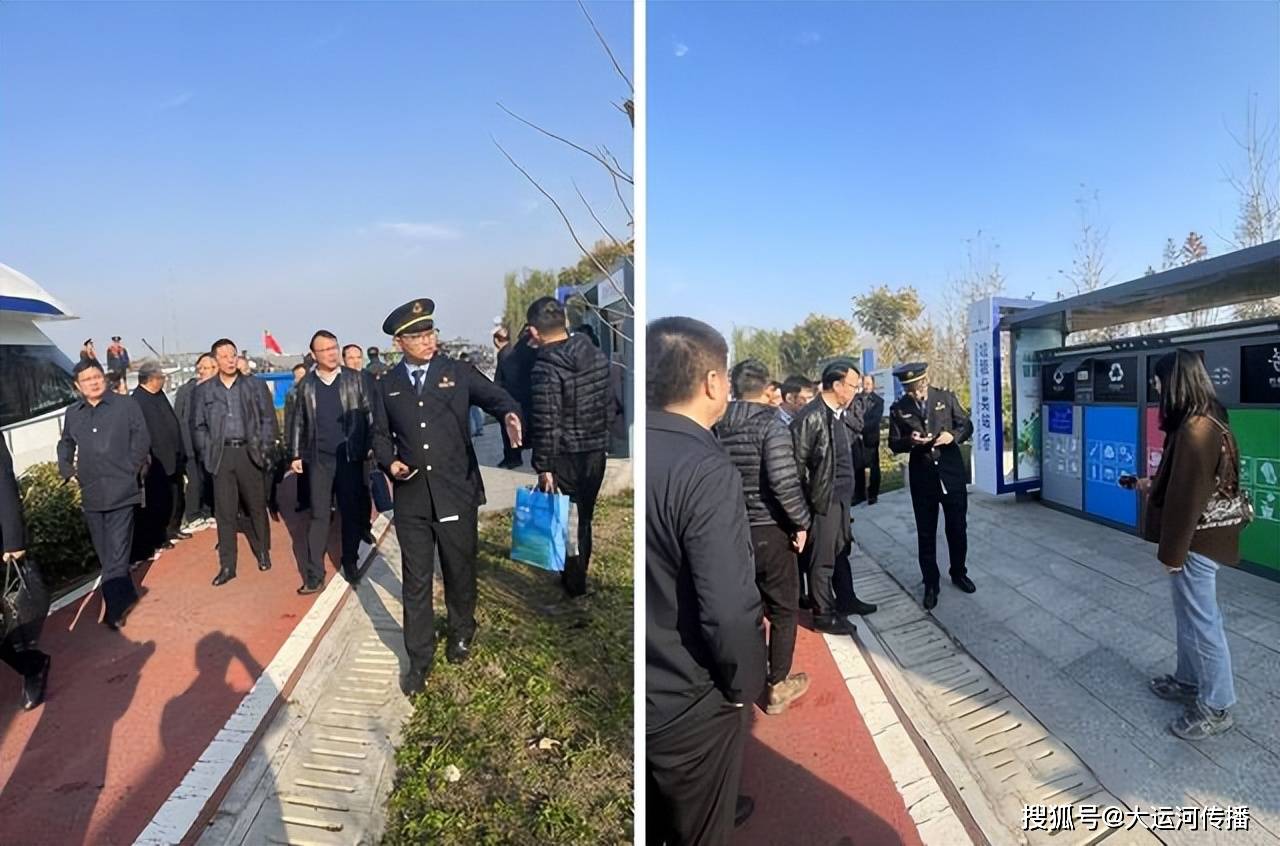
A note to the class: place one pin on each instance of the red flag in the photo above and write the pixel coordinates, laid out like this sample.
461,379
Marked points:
270,342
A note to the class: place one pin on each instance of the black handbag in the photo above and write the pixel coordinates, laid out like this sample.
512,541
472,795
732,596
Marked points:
24,604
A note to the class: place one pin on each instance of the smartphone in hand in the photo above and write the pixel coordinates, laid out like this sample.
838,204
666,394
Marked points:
1128,481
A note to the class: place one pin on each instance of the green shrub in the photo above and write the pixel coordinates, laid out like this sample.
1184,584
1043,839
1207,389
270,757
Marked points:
57,535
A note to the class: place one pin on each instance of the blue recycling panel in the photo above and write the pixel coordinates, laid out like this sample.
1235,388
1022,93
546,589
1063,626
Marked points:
1110,450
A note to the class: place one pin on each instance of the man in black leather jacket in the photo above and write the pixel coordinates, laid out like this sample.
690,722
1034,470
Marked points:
824,452
868,408
330,436
760,446
235,431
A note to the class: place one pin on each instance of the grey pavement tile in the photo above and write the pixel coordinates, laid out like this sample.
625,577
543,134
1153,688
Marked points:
1057,598
1047,635
1254,662
1257,714
1134,642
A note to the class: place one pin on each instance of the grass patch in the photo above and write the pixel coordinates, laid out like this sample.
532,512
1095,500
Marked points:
530,741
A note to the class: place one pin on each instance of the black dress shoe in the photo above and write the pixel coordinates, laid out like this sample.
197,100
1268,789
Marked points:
33,686
871,500
930,598
832,624
965,584
168,544
413,681
743,810
860,608
264,564
309,588
223,577
458,650
180,535
351,578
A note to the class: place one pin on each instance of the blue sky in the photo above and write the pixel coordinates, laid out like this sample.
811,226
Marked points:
188,170
801,153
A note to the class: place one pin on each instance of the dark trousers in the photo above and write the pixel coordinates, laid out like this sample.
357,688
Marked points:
509,455
866,458
25,662
779,583
151,526
825,559
955,504
198,497
420,538
239,482
579,476
693,767
112,536
329,475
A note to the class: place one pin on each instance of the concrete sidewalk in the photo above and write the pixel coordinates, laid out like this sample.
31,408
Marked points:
1069,622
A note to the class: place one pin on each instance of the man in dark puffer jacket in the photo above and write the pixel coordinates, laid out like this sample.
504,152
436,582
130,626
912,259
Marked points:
570,422
760,446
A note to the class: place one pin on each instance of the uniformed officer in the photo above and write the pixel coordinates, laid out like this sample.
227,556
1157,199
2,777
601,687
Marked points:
930,424
421,440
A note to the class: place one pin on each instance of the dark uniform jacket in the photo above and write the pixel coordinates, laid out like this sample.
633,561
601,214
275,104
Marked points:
13,531
104,447
355,394
704,628
572,401
928,466
432,433
209,415
813,432
869,408
514,374
182,407
760,446
165,430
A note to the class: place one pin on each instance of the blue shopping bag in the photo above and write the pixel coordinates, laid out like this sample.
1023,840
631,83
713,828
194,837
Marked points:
540,528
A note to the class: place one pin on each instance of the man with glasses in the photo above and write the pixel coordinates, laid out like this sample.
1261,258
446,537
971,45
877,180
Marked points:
930,424
420,440
104,445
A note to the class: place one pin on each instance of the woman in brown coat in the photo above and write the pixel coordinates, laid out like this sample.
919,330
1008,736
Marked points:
1201,460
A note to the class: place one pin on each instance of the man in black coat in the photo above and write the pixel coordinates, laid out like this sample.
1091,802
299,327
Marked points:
572,407
760,446
157,523
823,440
198,496
930,424
421,441
18,648
869,408
105,445
330,435
235,434
514,374
704,632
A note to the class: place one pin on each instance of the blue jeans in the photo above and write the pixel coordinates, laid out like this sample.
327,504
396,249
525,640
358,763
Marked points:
477,421
1203,657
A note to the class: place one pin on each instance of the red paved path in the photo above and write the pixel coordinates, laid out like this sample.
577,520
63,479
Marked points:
814,772
129,712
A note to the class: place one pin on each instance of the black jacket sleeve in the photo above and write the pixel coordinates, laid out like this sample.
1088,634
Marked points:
489,397
899,434
13,531
782,474
384,451
199,423
267,411
718,546
547,416
961,427
67,447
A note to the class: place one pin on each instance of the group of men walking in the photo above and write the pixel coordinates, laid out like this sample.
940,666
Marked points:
149,471
748,516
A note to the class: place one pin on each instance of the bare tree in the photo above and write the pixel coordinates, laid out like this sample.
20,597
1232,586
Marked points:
620,177
1089,263
982,277
1257,185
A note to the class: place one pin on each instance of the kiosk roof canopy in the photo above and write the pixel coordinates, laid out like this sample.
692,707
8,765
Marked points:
1249,274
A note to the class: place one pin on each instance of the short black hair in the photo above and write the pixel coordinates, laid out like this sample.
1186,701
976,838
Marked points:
748,378
352,347
203,356
546,314
86,364
321,333
299,366
836,371
796,384
679,352
222,342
